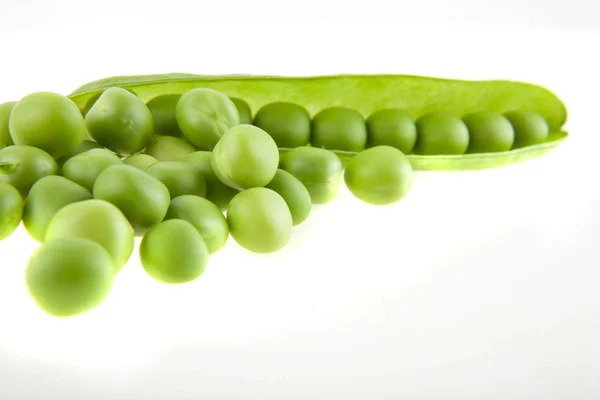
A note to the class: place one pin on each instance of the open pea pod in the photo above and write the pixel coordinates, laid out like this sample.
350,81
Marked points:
367,94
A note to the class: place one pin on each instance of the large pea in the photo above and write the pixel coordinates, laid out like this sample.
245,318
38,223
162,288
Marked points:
380,175
48,121
22,166
441,133
294,193
318,169
244,110
530,128
259,220
98,221
167,148
84,168
141,197
5,110
69,276
489,132
339,128
46,197
179,177
392,127
163,114
205,216
173,252
245,157
287,123
140,161
216,191
204,115
11,209
120,121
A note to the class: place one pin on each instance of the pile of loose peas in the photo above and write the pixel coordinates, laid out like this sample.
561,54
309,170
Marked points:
186,171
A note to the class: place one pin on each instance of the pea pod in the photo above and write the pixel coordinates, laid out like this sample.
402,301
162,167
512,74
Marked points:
367,94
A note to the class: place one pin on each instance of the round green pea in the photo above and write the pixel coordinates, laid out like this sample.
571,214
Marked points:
84,168
5,110
489,132
380,175
11,209
46,197
287,123
98,221
205,216
179,177
392,127
173,252
163,114
245,157
318,169
339,128
141,197
530,128
22,166
140,161
82,148
48,121
167,148
216,191
69,276
204,115
259,220
441,133
244,110
294,193
120,121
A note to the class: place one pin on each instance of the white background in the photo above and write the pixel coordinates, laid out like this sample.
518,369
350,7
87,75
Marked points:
479,285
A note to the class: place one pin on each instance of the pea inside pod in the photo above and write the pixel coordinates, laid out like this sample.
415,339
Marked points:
163,114
339,128
441,133
392,127
530,128
11,209
244,110
287,123
489,132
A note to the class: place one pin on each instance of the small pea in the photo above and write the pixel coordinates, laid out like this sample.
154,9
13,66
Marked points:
167,148
245,157
120,121
204,115
287,123
294,193
46,197
339,128
5,110
84,146
22,166
441,133
11,209
69,276
179,177
392,127
84,168
530,128
489,132
216,191
259,220
173,252
163,114
244,110
318,169
140,161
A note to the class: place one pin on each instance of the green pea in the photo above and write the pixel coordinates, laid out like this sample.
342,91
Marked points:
89,104
287,123
380,175
318,169
489,132
140,161
84,146
245,157
84,168
163,114
11,209
120,121
204,115
69,276
98,221
22,166
141,197
5,110
167,148
48,121
244,110
441,133
179,177
392,127
216,191
339,128
205,216
294,193
173,252
259,220
46,197
530,128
